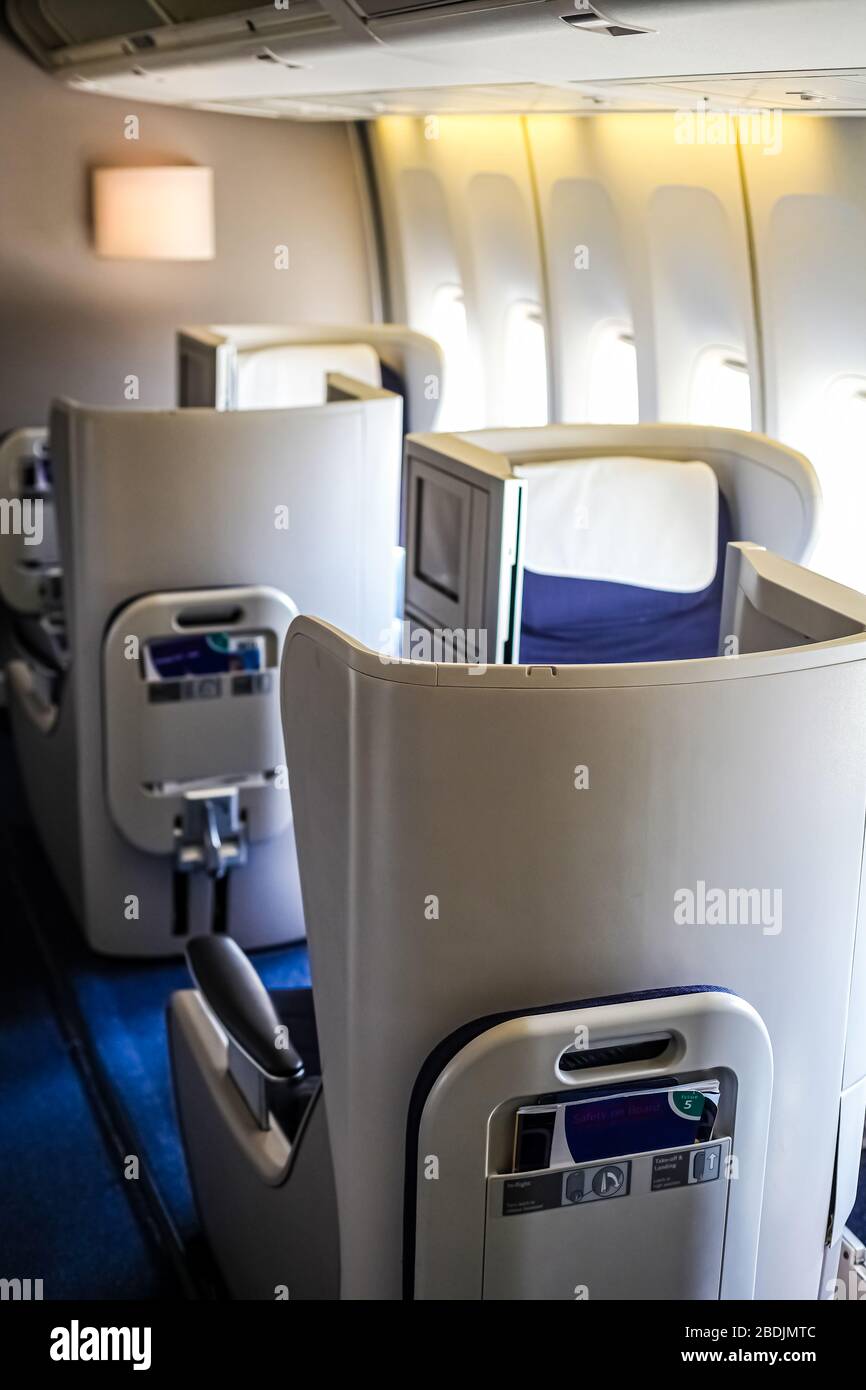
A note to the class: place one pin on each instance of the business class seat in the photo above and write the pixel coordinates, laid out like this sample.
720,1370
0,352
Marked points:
587,544
263,366
268,366
154,766
225,367
526,885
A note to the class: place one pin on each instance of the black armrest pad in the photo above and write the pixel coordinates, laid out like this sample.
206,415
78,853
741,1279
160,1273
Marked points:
236,996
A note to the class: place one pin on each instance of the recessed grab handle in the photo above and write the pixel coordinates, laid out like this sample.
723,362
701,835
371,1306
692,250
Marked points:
209,615
613,1054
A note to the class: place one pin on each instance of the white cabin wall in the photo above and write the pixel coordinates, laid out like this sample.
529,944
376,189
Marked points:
458,210
71,323
680,211
627,221
643,225
587,272
808,205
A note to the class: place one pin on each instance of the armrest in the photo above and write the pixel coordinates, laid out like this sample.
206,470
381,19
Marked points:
235,995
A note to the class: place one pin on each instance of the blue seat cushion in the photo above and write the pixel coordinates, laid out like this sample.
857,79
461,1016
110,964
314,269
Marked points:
579,622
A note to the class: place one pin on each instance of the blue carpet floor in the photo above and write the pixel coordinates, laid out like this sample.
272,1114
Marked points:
124,1008
67,1214
120,1006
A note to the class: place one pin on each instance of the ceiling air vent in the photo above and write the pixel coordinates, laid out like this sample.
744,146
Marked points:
594,22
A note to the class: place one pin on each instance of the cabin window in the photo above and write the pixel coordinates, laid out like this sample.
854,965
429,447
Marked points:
462,405
721,393
525,366
613,387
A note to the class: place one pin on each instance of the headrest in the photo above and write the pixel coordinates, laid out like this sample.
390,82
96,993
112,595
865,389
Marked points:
648,522
293,374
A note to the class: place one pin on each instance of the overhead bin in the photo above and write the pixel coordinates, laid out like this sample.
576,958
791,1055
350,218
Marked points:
382,9
298,62
62,34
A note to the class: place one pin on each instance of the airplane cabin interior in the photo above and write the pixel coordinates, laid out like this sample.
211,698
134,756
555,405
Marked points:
433,649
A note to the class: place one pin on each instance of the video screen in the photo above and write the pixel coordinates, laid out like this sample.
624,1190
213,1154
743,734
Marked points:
438,538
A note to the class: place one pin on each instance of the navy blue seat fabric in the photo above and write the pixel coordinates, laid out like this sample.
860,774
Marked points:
591,622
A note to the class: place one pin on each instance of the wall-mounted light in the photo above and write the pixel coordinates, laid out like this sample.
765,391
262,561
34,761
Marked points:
160,214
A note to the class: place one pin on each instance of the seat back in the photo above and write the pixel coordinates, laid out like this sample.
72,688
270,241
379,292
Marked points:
189,540
623,560
292,374
259,366
501,843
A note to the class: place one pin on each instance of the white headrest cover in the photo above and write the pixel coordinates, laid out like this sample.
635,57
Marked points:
292,374
644,521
